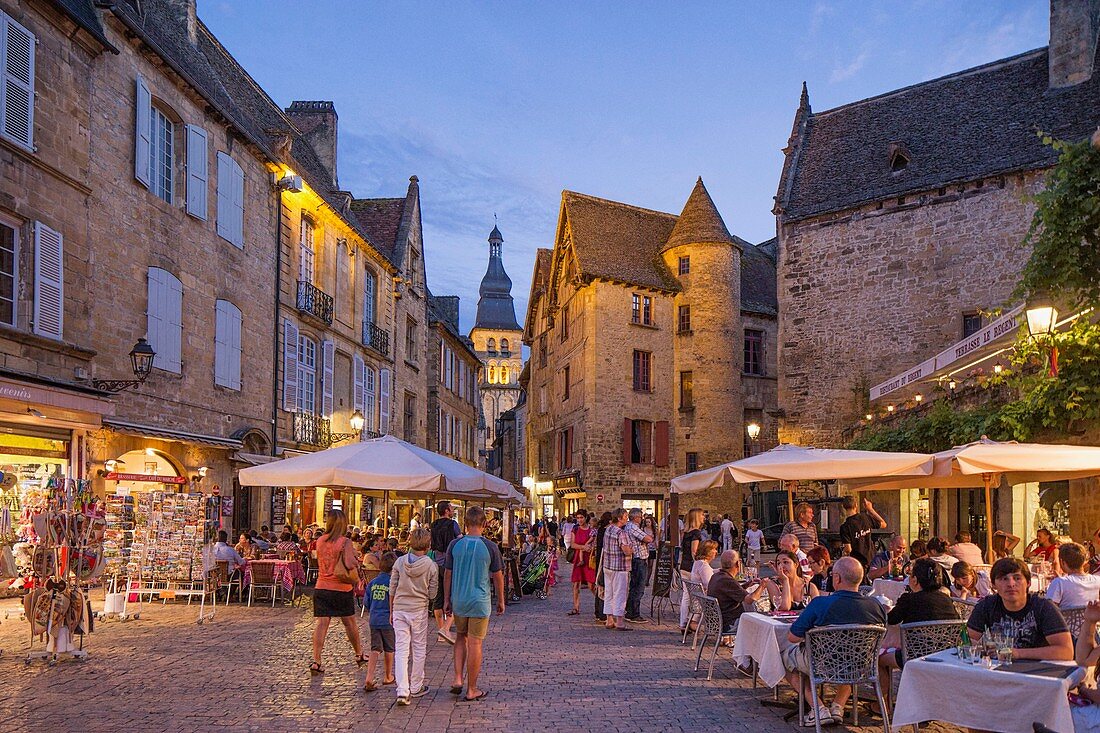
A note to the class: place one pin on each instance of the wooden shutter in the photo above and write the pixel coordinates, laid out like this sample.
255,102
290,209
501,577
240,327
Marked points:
357,380
660,449
197,172
49,282
328,355
143,108
230,200
17,83
384,401
227,345
370,400
627,434
290,366
165,319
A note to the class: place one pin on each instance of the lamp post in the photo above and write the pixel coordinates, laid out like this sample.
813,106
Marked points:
141,361
1042,316
357,422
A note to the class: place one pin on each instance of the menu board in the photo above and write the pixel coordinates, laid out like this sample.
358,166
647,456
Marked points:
328,503
278,507
662,571
366,510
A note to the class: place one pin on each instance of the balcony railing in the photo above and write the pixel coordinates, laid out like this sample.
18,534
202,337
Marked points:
312,429
376,338
315,302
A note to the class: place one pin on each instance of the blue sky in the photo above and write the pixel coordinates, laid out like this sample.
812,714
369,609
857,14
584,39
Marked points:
499,106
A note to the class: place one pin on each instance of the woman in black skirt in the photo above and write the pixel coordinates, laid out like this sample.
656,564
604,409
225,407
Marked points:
337,566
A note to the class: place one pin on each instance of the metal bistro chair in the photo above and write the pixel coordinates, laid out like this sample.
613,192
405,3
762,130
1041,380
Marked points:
695,610
846,654
1075,620
712,626
228,580
263,578
964,607
921,638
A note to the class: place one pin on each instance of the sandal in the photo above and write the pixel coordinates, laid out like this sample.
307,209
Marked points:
477,697
315,668
574,612
456,689
387,683
370,686
360,660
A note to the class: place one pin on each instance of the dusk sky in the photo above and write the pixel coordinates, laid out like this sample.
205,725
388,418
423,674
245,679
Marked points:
498,107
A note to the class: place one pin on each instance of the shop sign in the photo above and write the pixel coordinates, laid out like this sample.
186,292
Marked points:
278,507
571,481
145,477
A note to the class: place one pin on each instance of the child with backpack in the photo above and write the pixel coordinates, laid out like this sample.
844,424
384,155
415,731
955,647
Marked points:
413,583
381,625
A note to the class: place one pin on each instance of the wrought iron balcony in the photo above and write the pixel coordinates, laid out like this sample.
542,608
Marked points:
376,338
370,434
315,302
312,429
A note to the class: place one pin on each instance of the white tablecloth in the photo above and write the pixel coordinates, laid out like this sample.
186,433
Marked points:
891,589
987,699
762,638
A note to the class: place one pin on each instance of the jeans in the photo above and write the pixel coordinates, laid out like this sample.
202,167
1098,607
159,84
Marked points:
685,600
638,572
616,583
410,630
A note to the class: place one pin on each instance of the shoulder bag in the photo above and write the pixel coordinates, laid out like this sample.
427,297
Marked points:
341,572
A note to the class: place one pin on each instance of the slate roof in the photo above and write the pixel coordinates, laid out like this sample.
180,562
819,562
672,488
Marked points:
381,218
443,309
972,124
84,14
699,221
758,279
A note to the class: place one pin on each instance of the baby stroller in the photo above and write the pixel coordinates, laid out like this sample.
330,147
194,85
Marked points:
535,573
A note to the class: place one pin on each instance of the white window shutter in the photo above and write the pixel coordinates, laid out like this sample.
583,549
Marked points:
236,205
227,345
290,365
165,314
197,172
49,282
221,360
230,200
17,82
235,348
143,107
384,401
370,401
328,355
357,380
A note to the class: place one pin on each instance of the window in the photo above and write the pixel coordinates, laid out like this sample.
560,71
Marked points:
641,371
691,462
307,375
410,417
17,83
972,323
647,310
161,154
564,322
542,399
165,319
230,200
687,396
544,457
684,265
410,341
504,350
565,449
491,372
754,352
9,256
505,376
414,265
635,308
227,345
899,162
491,346
370,297
565,384
683,314
542,350
305,246
370,400
641,441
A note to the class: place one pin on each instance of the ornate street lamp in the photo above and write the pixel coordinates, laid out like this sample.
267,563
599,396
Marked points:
357,422
1042,316
141,361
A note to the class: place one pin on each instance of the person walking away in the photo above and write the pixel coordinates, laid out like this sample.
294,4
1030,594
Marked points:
803,527
754,542
381,625
601,531
855,532
727,532
689,545
445,530
584,544
639,565
472,563
337,567
617,557
567,528
413,585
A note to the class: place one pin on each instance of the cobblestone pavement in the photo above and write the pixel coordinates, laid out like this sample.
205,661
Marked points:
246,671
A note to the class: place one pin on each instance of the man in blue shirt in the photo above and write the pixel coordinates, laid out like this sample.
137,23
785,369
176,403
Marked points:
472,561
844,606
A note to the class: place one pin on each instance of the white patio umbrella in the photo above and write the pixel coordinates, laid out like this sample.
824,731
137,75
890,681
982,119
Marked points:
793,463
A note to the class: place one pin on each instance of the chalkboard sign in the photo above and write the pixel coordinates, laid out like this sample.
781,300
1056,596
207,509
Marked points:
663,570
328,504
278,507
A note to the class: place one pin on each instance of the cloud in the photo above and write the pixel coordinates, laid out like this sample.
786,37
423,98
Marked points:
853,67
818,15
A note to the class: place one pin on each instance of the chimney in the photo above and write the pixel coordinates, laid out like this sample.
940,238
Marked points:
184,15
317,121
446,307
1073,33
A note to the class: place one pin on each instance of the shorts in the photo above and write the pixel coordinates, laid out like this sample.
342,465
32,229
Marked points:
475,626
333,603
796,658
436,604
382,640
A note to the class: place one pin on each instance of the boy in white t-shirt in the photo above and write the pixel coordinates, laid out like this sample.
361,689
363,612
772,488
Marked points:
754,539
1075,588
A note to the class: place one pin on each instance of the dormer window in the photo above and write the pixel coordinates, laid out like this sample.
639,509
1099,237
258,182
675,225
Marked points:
899,157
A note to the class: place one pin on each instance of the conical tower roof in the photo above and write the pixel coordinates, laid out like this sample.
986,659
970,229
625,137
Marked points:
699,222
495,308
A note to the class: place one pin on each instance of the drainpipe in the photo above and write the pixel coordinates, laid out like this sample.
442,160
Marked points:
278,330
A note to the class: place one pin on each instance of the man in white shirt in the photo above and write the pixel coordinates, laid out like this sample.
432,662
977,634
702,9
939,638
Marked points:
789,543
727,532
225,553
1076,588
965,550
754,541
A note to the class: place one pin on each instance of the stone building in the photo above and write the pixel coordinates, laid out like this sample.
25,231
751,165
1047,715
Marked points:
900,222
497,339
454,401
636,324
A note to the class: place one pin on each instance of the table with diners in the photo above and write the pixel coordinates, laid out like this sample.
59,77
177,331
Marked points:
762,638
287,573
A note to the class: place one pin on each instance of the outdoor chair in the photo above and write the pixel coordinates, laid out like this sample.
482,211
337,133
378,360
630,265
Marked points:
1075,620
263,579
964,607
228,580
712,627
367,576
846,654
921,638
695,611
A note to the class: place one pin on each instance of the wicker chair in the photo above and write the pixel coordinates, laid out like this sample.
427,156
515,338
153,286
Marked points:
695,610
964,607
1075,619
846,654
367,576
712,627
226,579
922,638
263,578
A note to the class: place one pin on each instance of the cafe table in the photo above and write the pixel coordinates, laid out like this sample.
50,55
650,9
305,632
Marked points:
940,687
762,638
891,589
288,573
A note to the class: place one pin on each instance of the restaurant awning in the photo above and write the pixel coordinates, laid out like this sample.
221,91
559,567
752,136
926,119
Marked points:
161,433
